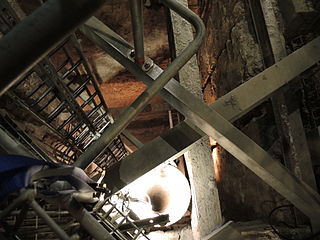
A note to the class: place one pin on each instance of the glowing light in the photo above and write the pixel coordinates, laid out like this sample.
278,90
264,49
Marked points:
164,190
216,164
216,159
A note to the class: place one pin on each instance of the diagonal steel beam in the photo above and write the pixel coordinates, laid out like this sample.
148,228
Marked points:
23,46
233,140
234,104
155,87
168,146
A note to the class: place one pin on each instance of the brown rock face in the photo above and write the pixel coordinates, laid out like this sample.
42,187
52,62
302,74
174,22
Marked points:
229,56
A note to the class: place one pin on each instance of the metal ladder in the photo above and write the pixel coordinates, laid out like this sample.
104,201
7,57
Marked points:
64,95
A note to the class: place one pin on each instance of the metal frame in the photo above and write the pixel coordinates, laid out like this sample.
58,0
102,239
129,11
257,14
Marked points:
201,119
14,141
52,24
26,198
289,125
66,87
136,9
231,106
137,106
86,219
94,228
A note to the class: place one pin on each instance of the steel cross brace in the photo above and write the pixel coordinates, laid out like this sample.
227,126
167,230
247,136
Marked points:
214,120
33,38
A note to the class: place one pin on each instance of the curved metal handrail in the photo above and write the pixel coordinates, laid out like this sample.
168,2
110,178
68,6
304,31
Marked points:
137,106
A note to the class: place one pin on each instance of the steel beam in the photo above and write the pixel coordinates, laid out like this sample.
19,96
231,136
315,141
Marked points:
290,128
152,154
234,104
86,220
237,103
132,139
225,232
24,46
49,221
137,106
24,196
231,106
240,146
12,146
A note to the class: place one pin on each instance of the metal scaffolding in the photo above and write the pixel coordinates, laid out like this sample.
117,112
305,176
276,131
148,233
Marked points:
66,98
61,92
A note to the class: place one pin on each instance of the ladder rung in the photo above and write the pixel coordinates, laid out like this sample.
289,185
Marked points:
56,112
63,65
80,89
36,89
48,103
41,96
89,100
71,69
94,110
65,123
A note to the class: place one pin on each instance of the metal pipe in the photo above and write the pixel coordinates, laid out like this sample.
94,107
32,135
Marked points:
12,146
32,39
137,106
25,195
49,221
132,139
21,217
136,10
87,221
95,83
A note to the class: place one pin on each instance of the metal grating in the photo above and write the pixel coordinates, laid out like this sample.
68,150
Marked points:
62,92
115,215
64,95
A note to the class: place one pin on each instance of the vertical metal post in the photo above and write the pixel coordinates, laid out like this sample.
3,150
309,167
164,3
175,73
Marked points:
137,106
87,221
25,195
132,139
48,220
291,132
136,10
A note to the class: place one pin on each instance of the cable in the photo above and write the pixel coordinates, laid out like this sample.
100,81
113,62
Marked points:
281,235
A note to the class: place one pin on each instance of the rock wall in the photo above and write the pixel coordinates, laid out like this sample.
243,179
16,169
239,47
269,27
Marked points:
230,56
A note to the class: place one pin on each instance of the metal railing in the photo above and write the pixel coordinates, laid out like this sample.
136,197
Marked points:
61,92
138,105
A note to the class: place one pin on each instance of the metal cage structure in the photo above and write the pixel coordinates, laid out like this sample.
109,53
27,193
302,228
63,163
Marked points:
54,83
64,95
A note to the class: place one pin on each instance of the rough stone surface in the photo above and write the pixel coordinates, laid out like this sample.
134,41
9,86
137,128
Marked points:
230,54
116,15
181,234
275,28
292,134
206,215
229,57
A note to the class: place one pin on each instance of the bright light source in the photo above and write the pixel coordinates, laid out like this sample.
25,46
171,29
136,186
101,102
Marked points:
164,190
